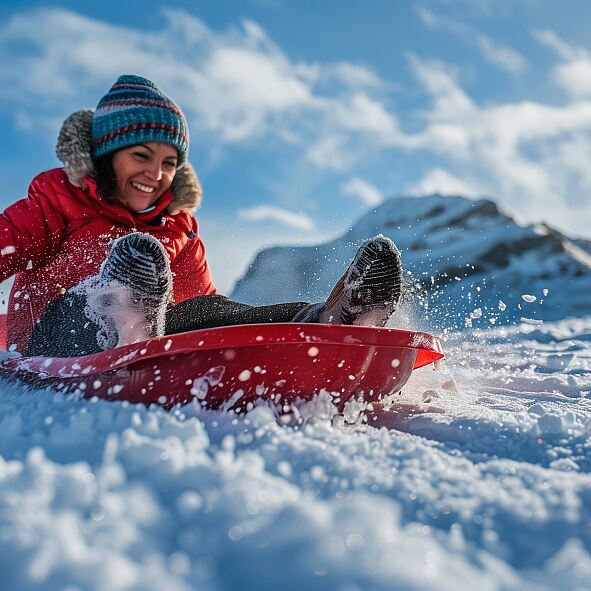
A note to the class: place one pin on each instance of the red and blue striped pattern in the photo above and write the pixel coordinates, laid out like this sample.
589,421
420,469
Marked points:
134,111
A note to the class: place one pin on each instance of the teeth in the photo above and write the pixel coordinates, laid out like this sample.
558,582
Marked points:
143,188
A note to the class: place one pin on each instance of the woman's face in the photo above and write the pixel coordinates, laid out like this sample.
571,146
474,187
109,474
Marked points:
143,173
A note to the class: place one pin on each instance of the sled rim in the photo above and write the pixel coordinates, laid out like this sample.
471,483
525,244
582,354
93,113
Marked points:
428,347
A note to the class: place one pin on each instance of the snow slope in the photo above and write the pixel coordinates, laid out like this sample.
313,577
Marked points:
474,259
480,477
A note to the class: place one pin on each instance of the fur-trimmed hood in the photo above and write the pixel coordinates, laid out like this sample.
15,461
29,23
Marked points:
73,150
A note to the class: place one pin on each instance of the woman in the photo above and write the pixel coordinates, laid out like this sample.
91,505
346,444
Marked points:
106,251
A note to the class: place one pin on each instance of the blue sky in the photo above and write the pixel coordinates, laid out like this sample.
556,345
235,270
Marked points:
304,114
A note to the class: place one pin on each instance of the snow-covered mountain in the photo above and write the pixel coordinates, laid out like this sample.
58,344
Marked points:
584,244
473,259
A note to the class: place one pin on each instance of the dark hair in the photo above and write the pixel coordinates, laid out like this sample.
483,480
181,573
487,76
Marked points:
106,181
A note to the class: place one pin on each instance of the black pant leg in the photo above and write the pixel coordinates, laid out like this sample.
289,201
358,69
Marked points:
214,310
64,330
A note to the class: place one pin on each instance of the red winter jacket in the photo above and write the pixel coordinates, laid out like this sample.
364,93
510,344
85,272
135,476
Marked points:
60,235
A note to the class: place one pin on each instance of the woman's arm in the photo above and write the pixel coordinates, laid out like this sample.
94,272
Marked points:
31,230
191,276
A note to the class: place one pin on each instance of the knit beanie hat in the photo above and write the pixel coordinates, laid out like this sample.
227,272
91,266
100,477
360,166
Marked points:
135,110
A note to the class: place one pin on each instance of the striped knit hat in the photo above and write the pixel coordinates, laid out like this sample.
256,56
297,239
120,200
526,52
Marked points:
135,110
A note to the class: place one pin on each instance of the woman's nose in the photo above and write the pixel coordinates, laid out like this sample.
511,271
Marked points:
154,171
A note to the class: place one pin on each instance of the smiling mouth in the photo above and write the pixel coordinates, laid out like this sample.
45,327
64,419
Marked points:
142,188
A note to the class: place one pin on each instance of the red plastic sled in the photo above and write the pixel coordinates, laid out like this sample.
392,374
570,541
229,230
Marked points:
236,365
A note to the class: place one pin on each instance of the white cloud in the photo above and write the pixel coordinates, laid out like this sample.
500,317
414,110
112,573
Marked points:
552,40
506,58
356,76
331,151
363,114
517,151
440,81
234,85
244,88
574,73
364,191
442,182
262,213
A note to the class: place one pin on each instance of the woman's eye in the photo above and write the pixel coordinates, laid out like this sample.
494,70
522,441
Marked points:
170,164
140,155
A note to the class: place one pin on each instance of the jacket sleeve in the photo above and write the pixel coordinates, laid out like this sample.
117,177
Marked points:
191,276
31,230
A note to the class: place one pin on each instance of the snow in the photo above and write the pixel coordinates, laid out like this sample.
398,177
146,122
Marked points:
479,475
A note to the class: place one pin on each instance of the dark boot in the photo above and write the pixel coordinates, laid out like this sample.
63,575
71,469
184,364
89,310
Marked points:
368,293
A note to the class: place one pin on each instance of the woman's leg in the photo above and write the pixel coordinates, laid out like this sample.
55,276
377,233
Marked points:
64,330
367,294
125,303
214,310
